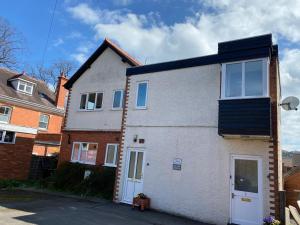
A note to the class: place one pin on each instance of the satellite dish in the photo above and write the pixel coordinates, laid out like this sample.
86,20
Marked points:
290,103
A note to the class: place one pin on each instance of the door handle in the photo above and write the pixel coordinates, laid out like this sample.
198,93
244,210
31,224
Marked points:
232,195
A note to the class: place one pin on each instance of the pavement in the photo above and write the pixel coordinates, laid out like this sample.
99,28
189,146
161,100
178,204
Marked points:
18,207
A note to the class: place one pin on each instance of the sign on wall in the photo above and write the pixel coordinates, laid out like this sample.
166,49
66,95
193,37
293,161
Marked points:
177,163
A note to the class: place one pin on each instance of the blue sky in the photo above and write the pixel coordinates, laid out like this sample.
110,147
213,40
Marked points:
160,30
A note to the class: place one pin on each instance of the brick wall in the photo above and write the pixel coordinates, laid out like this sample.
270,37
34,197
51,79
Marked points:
30,118
100,137
15,158
275,151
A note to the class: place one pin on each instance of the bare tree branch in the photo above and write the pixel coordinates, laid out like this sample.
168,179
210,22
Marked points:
9,45
50,74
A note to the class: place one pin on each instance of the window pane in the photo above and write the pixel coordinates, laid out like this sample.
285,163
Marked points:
1,135
83,101
91,156
99,100
84,146
142,92
139,166
22,86
9,136
44,119
75,152
28,88
110,155
253,78
246,175
131,165
91,101
83,155
233,80
4,114
117,99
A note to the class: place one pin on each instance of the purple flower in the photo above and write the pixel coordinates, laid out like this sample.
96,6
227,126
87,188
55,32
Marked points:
269,220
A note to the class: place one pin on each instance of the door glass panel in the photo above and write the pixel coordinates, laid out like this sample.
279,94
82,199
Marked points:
253,78
246,175
131,165
139,165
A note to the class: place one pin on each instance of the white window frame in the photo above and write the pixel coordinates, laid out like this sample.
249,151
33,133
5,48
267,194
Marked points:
42,128
3,136
9,116
86,101
265,70
136,95
115,155
122,99
79,152
25,83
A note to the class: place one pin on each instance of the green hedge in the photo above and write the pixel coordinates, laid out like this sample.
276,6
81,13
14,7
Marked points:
70,177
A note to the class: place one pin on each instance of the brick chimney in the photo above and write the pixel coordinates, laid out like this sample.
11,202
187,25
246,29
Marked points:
61,92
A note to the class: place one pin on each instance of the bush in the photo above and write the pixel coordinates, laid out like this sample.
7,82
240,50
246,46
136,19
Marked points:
9,184
70,177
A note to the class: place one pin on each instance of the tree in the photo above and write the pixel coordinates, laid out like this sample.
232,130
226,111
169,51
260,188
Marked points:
9,45
50,73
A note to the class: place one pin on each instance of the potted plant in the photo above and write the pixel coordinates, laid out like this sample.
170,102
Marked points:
271,221
142,201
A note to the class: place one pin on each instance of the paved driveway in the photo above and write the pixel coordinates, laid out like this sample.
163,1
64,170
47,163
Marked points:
22,207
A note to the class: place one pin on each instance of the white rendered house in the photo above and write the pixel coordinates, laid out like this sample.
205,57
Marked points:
200,135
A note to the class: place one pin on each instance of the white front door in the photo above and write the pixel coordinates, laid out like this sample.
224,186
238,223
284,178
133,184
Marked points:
133,183
246,190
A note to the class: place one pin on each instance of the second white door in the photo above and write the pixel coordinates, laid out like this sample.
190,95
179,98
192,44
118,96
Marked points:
133,183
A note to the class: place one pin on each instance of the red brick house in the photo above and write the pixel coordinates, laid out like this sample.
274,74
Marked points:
31,116
92,127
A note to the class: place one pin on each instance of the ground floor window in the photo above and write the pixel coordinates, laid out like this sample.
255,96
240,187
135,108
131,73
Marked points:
111,155
7,136
84,152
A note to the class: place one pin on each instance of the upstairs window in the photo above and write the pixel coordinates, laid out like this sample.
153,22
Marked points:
44,121
25,87
141,98
84,152
91,101
118,99
5,113
7,136
245,79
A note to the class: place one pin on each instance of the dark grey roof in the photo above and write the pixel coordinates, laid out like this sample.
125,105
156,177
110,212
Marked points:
242,49
41,95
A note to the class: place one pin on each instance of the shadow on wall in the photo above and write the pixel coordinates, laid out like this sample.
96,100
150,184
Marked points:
15,158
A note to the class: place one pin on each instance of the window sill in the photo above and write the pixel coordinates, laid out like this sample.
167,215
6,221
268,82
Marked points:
141,108
81,162
243,97
110,165
89,110
116,109
8,143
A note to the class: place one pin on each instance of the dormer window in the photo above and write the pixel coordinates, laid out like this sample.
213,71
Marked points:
245,79
25,87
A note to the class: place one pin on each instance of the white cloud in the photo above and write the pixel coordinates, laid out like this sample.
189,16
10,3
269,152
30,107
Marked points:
82,52
148,39
122,2
84,13
58,42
